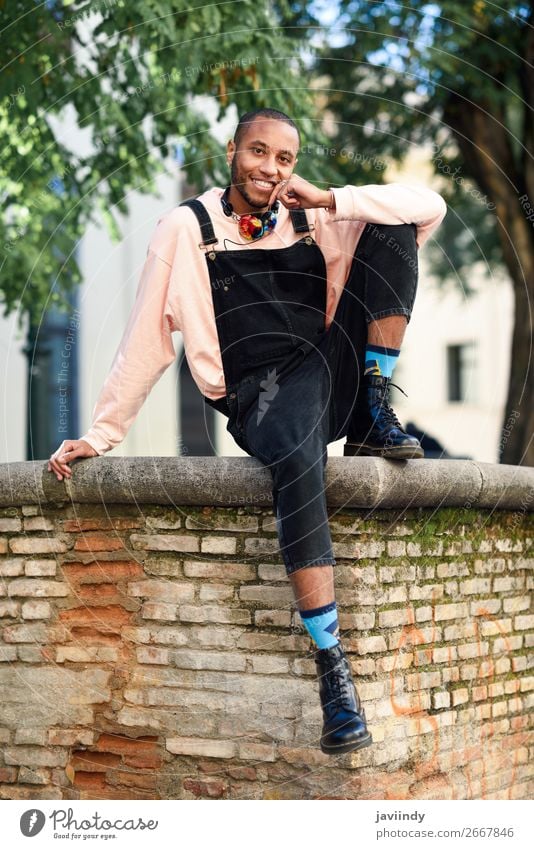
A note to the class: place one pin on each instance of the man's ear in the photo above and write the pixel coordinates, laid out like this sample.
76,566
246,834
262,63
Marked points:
230,151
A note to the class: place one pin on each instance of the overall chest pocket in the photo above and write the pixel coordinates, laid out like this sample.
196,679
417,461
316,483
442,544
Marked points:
254,327
276,301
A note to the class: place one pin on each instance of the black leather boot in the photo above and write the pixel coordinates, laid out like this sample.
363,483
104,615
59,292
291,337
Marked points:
344,728
375,429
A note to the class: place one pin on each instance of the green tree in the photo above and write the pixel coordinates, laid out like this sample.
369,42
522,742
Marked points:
128,75
459,77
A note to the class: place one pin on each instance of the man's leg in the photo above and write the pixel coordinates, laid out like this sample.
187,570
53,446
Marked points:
313,587
290,439
381,287
344,724
387,332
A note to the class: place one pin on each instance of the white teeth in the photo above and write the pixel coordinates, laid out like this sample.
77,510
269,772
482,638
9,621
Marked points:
263,184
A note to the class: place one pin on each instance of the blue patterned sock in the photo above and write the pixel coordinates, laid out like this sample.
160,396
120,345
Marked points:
380,361
322,625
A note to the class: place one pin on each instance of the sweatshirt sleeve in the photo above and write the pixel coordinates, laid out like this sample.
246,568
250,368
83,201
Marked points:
393,203
145,351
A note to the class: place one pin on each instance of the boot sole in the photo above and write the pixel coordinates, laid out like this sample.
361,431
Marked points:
347,747
400,453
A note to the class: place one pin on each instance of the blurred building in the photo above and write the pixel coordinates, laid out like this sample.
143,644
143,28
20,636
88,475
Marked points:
454,364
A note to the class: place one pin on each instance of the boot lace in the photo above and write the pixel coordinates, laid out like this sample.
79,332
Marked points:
338,691
387,413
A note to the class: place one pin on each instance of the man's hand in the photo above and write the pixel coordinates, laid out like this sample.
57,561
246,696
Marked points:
297,193
69,450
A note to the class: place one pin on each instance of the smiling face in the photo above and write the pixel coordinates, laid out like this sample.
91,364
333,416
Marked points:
267,153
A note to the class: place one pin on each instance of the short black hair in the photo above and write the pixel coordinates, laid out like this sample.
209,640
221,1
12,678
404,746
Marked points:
264,112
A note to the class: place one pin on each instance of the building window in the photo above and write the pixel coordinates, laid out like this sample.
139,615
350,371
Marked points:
461,382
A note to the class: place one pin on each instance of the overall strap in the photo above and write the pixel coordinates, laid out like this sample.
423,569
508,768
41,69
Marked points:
299,220
206,227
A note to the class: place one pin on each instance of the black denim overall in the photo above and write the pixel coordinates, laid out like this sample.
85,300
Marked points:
290,384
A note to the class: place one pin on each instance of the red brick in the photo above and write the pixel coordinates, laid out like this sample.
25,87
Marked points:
131,793
211,789
240,773
99,593
146,781
209,766
92,636
94,761
143,761
479,693
111,617
100,572
117,793
98,542
195,787
126,745
90,781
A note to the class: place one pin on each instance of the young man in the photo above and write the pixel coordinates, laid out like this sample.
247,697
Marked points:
292,301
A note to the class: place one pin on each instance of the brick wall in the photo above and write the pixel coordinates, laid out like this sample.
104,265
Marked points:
155,652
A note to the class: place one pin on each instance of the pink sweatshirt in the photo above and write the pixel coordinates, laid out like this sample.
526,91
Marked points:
174,291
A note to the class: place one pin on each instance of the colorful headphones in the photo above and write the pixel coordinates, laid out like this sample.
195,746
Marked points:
251,226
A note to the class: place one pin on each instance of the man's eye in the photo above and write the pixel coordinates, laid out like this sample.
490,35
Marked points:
257,150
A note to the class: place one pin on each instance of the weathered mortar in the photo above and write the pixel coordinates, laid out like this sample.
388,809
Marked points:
155,651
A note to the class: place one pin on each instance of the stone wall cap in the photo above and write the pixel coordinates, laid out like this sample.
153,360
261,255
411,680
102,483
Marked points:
233,481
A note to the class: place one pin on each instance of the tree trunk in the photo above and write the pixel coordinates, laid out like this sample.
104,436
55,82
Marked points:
517,437
484,141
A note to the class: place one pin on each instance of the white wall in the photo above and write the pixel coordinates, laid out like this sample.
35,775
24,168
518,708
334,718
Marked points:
13,390
111,275
440,319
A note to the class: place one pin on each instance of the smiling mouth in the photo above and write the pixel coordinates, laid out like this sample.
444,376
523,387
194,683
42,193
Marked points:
263,184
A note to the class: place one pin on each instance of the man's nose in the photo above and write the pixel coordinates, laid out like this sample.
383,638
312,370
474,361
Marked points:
268,166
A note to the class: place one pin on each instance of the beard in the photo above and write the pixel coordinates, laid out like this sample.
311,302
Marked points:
238,181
